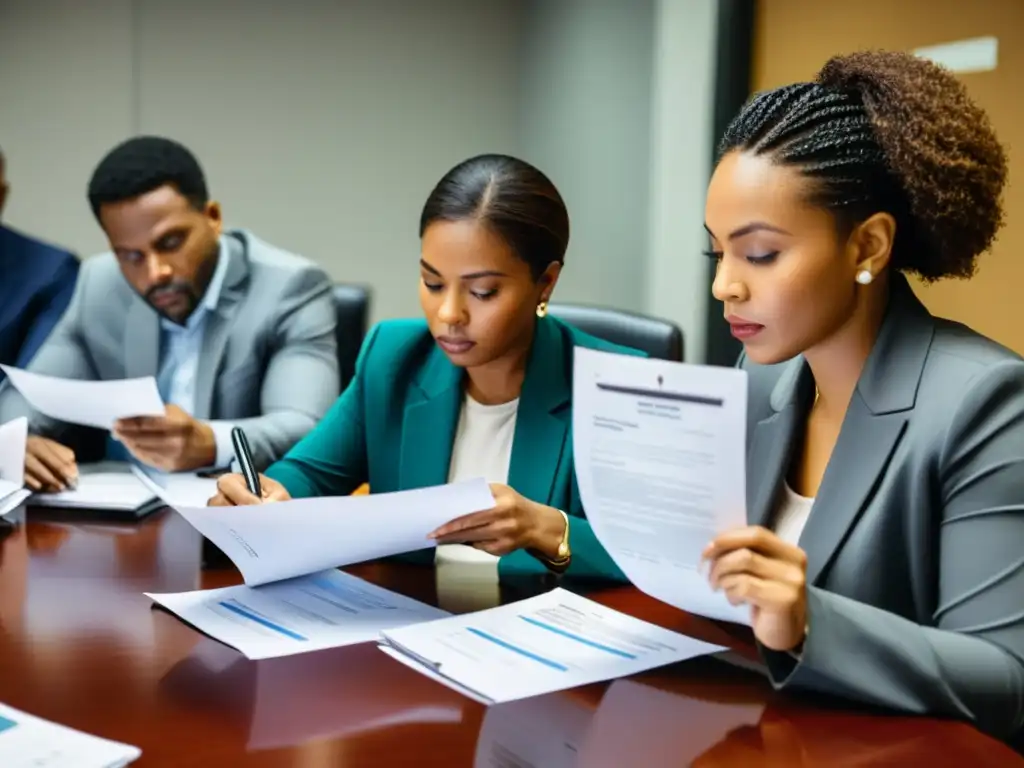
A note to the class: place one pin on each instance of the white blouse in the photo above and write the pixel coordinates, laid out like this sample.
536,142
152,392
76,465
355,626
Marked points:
467,578
791,515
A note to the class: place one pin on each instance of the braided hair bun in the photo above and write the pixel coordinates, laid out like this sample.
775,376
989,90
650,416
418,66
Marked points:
887,131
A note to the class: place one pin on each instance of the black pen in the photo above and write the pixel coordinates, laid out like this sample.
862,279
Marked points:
244,458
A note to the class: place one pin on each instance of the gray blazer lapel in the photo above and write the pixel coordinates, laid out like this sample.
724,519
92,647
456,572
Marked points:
774,439
875,421
218,328
141,341
866,443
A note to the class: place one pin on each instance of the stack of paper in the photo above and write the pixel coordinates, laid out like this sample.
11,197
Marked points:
13,435
292,601
90,403
660,456
30,742
548,643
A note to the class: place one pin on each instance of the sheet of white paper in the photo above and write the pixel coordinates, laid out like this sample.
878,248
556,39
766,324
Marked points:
91,403
270,542
13,436
322,610
547,643
660,456
666,728
546,731
177,489
429,672
31,742
12,496
104,485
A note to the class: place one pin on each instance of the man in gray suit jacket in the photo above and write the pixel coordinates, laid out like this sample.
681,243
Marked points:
236,331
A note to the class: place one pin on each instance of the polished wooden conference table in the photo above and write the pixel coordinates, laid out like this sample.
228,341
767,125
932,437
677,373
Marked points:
81,645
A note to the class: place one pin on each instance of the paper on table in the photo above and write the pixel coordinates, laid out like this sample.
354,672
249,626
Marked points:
177,489
660,455
322,610
634,718
90,403
13,436
270,542
31,742
106,485
547,643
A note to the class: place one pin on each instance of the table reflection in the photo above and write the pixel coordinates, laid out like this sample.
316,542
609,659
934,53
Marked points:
335,694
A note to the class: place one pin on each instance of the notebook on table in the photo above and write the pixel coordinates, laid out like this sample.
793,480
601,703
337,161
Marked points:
123,491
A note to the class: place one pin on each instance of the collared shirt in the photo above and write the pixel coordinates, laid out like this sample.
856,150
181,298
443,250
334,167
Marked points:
180,349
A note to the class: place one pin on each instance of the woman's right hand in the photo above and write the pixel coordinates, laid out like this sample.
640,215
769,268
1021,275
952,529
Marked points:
232,492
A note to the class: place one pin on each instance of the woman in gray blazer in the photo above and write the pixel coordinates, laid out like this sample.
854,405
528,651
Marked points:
884,560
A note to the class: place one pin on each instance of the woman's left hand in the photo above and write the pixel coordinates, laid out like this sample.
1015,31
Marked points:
756,567
514,522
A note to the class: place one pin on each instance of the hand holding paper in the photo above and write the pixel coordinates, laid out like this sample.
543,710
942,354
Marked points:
660,454
89,403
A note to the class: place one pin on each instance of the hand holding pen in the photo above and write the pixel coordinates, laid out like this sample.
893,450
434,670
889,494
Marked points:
247,486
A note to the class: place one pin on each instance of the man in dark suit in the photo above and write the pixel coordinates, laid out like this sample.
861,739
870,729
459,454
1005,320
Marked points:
35,288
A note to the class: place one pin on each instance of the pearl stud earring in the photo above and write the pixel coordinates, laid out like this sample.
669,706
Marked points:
864,277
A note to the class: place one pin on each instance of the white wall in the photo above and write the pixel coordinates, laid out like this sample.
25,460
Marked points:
65,99
681,141
323,125
585,121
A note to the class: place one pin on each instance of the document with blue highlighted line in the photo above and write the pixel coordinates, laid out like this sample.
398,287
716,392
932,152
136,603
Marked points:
31,742
310,613
547,643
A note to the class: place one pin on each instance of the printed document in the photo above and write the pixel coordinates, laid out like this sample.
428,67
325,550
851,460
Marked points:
282,540
31,742
547,643
90,403
322,610
13,435
660,456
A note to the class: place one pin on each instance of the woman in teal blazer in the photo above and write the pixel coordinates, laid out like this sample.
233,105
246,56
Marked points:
482,385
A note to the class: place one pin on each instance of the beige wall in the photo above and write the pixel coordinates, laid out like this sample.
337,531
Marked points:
795,37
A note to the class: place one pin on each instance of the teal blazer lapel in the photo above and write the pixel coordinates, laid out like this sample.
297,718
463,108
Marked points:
429,423
543,417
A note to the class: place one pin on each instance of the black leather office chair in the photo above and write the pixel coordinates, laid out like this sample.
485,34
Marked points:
352,305
658,338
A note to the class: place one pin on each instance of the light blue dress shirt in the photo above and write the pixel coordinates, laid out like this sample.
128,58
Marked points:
180,349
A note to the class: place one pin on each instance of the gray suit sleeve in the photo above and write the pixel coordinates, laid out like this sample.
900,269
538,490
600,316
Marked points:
63,355
302,380
969,663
